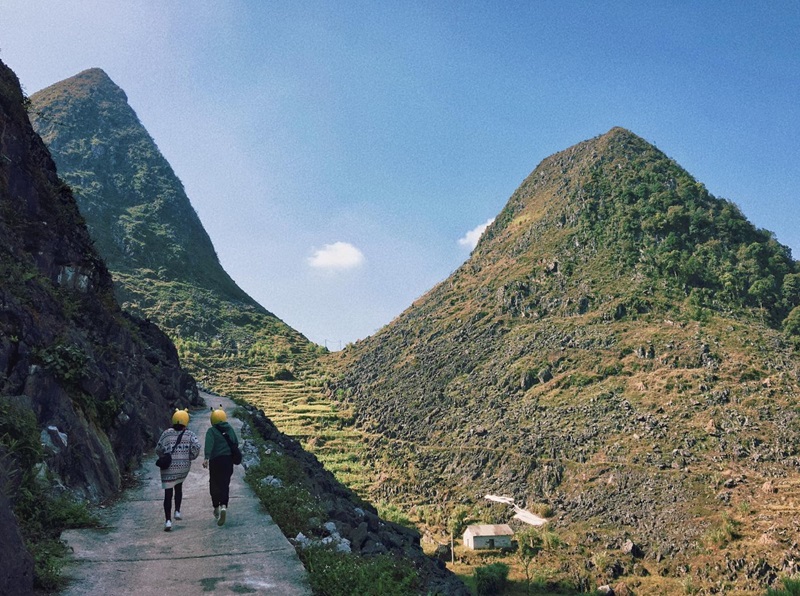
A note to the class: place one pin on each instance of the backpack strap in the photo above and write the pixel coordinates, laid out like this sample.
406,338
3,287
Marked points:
227,438
178,440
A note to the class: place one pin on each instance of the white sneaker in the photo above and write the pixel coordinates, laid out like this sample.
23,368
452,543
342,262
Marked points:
216,512
167,526
177,515
223,511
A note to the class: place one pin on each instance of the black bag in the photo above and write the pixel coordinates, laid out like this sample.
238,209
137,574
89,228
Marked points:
165,460
236,454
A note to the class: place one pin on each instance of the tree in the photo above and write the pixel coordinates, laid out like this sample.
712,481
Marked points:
456,526
791,289
458,521
791,324
529,543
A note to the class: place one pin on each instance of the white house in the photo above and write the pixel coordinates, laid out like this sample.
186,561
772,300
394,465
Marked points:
488,536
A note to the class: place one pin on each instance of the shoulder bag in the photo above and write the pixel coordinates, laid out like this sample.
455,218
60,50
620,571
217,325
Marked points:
236,454
165,460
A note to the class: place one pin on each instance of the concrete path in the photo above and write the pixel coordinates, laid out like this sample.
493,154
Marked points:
132,554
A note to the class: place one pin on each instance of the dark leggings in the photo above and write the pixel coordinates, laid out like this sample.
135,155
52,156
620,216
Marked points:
220,470
168,499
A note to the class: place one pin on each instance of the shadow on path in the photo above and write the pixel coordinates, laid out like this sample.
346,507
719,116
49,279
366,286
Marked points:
132,554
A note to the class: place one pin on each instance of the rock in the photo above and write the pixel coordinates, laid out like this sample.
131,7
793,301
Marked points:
629,548
53,439
271,481
372,547
359,536
16,572
443,553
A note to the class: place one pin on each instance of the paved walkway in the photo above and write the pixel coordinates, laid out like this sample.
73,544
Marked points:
132,554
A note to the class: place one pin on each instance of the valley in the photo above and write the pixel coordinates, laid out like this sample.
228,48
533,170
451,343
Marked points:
619,351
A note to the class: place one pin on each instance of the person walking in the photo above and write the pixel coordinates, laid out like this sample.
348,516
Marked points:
184,446
219,446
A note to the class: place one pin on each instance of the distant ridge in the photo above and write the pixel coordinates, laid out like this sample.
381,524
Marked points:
163,262
618,339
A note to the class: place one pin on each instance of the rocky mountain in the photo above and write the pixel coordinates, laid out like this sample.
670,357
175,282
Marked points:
164,265
85,389
620,348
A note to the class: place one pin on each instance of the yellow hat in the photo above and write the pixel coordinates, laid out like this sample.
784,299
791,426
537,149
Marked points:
181,417
218,416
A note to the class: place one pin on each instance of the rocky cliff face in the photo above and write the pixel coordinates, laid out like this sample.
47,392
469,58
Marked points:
613,349
100,383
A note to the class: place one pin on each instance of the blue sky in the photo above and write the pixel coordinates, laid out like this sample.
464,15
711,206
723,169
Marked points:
337,152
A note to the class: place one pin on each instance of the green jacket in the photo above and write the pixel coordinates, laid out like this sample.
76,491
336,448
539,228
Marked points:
216,444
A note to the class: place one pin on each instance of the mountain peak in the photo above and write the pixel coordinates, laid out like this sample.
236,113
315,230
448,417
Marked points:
142,222
612,289
85,84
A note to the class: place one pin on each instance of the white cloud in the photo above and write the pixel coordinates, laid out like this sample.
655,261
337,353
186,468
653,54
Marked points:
337,256
470,239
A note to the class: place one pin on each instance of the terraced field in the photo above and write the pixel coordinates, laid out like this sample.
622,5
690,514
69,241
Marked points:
301,410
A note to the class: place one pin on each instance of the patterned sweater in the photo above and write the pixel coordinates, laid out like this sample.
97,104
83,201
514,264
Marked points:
182,457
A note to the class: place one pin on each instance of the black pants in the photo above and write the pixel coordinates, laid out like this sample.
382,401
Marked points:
168,499
220,470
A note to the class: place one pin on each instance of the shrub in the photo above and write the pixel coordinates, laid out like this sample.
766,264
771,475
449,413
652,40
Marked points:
491,579
725,532
333,573
791,587
41,516
393,513
290,505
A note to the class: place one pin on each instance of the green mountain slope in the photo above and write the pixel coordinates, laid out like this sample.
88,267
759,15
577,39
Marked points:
612,349
163,262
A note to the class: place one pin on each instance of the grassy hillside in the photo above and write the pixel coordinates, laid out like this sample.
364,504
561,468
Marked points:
164,265
619,348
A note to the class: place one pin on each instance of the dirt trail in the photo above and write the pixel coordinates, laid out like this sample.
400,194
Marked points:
132,554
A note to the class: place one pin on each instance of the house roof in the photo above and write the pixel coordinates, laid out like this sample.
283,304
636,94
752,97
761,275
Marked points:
489,530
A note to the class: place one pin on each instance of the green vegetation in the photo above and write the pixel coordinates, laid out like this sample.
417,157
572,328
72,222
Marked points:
302,410
66,361
491,579
393,513
340,574
163,263
791,587
280,484
41,515
653,217
724,532
289,503
529,543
